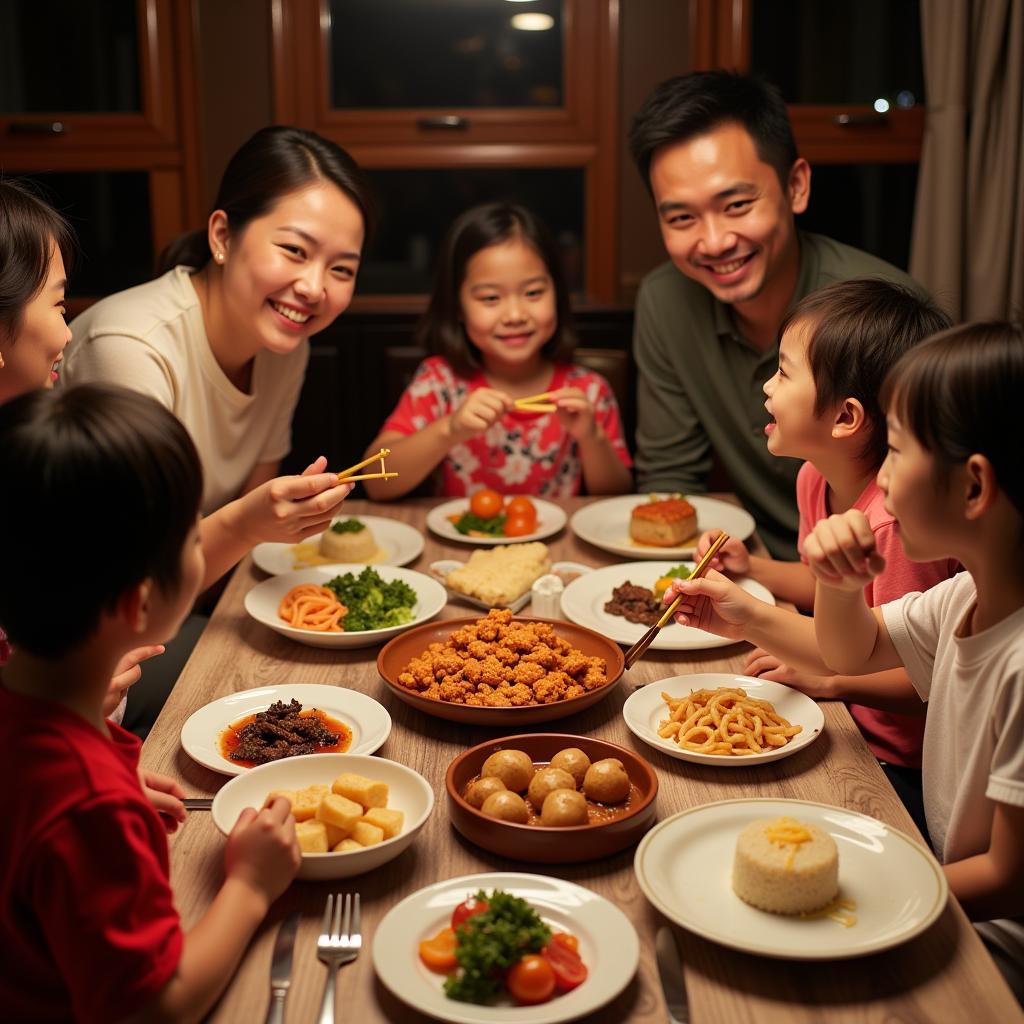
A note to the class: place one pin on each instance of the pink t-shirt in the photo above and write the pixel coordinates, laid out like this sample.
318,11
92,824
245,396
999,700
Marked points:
894,738
522,453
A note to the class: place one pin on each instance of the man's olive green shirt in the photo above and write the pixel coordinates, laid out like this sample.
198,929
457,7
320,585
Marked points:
700,388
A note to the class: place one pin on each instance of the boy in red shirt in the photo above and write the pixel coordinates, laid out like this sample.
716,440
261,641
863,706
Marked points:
87,918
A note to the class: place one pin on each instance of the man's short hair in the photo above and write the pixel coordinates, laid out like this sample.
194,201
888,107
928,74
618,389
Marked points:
686,106
101,488
859,329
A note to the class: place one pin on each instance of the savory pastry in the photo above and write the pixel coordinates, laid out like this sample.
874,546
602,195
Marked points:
663,524
481,789
563,808
785,866
506,806
513,767
501,574
545,780
606,781
349,540
574,761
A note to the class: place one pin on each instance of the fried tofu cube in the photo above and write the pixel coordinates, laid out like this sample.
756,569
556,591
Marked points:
361,789
339,812
312,836
366,834
346,846
308,800
384,818
288,794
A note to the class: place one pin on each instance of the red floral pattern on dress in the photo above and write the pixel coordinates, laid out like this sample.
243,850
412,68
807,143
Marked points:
522,453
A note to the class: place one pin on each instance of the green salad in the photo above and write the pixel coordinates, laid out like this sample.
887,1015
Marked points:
371,602
469,524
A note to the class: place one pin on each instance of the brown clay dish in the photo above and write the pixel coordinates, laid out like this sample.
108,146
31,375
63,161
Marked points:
537,843
396,654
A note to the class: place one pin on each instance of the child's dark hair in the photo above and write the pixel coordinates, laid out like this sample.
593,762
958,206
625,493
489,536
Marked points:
858,330
269,165
686,106
101,472
959,394
441,330
29,229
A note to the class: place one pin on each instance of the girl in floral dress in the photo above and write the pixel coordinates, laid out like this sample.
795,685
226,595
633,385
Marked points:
500,328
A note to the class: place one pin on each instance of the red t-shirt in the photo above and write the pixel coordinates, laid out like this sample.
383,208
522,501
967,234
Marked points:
88,927
894,738
522,453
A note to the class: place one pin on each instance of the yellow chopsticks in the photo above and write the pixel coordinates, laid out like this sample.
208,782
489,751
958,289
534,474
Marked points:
536,403
345,476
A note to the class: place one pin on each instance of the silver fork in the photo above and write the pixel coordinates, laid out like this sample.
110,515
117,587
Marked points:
339,943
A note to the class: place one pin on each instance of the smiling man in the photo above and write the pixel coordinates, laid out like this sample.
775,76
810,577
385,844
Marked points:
716,150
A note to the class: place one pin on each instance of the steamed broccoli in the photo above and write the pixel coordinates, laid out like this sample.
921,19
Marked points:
372,603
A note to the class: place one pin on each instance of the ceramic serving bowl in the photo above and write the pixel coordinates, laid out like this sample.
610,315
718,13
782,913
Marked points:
396,655
538,843
407,791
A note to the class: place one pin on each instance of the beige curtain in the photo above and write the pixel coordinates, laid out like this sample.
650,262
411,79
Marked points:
968,241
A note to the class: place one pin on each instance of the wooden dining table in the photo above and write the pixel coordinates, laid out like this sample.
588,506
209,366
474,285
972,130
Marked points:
944,974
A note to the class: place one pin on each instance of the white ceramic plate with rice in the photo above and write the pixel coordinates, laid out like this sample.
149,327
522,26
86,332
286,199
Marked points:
605,524
550,519
584,599
263,600
684,867
608,945
644,711
397,544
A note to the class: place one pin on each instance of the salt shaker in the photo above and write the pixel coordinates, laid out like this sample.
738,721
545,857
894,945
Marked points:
546,596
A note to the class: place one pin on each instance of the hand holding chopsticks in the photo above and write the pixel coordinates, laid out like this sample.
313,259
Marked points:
637,650
345,476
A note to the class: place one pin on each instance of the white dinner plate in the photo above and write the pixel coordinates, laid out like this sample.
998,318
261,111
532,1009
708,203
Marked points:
200,735
608,945
264,599
397,544
644,711
550,519
605,524
684,866
584,599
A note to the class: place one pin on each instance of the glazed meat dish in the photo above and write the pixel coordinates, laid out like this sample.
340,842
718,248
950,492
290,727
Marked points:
635,604
498,663
281,731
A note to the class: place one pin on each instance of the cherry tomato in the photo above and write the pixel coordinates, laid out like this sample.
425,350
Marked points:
438,953
568,968
520,505
486,504
519,526
532,980
566,939
467,909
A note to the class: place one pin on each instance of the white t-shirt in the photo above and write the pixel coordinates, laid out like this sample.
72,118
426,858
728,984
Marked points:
974,730
152,339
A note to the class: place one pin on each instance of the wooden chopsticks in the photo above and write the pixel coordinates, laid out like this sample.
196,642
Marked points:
637,650
536,403
345,476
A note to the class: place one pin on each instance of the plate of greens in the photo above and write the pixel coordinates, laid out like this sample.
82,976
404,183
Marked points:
379,602
521,916
446,519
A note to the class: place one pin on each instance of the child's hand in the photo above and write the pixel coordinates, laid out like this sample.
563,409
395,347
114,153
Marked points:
840,551
575,413
166,796
126,674
767,666
712,602
483,407
732,557
291,508
262,850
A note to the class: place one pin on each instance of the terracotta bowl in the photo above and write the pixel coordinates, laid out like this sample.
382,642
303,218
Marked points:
538,843
397,653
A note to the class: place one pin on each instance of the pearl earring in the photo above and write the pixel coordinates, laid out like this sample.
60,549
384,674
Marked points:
219,257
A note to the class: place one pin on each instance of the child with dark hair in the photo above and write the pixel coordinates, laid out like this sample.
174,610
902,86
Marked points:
837,346
500,324
87,918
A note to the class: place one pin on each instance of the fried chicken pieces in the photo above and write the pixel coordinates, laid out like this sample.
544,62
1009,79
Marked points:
498,663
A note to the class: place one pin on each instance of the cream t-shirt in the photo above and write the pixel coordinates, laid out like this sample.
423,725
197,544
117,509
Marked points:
974,729
152,339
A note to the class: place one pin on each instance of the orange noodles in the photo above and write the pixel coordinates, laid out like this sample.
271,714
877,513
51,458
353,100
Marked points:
309,606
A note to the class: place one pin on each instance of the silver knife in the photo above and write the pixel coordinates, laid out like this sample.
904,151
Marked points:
281,968
670,970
